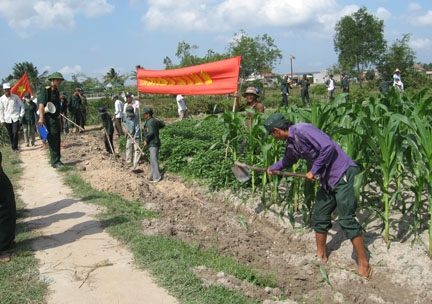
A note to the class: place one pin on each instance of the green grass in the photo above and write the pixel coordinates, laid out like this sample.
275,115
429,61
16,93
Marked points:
19,278
170,261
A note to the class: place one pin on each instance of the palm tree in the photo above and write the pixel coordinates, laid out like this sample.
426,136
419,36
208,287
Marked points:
133,74
111,76
36,80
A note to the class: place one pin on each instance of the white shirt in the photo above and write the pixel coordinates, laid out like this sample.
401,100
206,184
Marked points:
11,108
181,103
134,104
331,85
118,107
399,85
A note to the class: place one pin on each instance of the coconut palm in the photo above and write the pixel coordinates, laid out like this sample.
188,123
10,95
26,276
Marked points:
36,79
113,76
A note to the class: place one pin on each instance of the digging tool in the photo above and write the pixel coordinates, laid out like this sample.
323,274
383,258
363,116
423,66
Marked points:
72,122
136,145
109,142
241,172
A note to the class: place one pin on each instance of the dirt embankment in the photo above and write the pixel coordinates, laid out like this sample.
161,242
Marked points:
401,274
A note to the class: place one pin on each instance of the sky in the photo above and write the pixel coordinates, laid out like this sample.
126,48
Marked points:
93,36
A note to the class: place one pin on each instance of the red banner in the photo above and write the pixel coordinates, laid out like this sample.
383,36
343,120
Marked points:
218,77
22,86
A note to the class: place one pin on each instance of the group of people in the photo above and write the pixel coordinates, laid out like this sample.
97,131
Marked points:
326,159
286,85
396,81
126,121
29,113
304,83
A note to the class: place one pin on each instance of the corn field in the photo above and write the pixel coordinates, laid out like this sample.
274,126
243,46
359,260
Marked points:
389,138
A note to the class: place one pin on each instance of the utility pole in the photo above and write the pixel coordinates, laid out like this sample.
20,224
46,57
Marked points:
291,59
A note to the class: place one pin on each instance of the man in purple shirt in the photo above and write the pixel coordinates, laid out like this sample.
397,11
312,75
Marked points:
336,173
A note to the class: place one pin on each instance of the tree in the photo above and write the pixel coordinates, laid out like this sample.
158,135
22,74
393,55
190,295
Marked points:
168,63
259,54
36,80
133,74
359,40
184,52
399,55
427,66
113,76
187,58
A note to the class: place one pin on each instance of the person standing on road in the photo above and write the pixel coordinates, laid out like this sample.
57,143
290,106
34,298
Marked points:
84,107
285,86
64,111
304,90
108,128
52,120
132,126
75,109
29,120
336,173
331,87
181,107
152,141
11,110
118,114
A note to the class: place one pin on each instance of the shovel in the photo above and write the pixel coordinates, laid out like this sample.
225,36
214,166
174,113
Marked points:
241,172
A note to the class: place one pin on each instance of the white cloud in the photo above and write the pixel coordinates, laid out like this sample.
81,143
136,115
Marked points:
27,16
421,43
425,20
188,15
414,6
67,70
383,13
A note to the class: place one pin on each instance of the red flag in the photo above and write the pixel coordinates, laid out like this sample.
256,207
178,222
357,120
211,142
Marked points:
22,86
218,77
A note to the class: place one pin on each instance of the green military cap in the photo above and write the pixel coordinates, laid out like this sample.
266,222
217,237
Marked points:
55,75
148,110
275,120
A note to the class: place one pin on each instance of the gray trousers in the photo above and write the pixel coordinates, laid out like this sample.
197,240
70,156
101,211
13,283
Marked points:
133,154
29,133
154,164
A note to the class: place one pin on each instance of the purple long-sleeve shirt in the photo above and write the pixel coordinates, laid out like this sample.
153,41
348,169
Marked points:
326,157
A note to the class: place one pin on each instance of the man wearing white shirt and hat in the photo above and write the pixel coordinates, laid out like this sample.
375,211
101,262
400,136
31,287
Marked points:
11,110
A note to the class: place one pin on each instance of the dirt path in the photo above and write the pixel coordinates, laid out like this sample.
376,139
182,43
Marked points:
81,262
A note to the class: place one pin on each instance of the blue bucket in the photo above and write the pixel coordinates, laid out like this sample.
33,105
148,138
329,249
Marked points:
43,132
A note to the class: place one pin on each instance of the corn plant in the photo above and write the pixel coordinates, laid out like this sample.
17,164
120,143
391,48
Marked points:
384,140
424,145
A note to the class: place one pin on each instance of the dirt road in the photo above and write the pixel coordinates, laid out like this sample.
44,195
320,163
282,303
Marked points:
80,262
